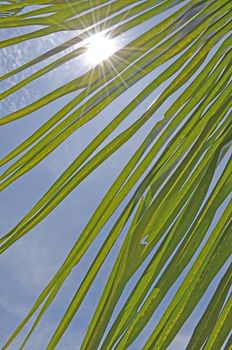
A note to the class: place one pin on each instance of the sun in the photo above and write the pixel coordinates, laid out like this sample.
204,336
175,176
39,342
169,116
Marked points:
99,48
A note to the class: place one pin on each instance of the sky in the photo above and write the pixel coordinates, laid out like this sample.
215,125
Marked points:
31,262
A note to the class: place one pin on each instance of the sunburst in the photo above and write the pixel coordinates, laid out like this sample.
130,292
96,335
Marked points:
99,48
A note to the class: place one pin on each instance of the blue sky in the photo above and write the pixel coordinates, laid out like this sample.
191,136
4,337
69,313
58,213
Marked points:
31,262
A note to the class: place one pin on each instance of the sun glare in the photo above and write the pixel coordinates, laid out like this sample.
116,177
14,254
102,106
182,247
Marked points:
99,48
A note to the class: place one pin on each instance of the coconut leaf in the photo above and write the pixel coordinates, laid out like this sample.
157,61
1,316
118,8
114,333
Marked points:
169,205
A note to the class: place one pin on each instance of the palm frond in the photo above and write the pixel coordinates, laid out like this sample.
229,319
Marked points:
167,190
